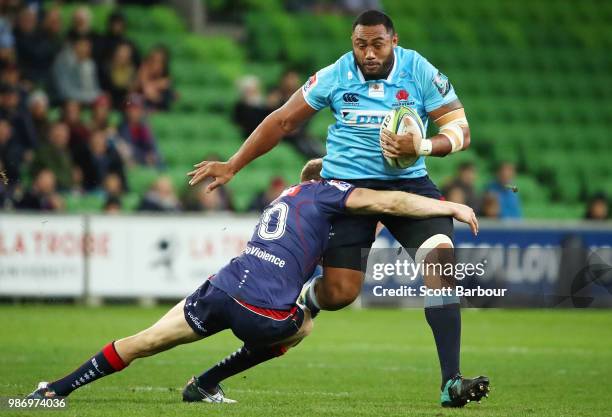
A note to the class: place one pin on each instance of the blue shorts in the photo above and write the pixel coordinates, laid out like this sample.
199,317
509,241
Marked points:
210,310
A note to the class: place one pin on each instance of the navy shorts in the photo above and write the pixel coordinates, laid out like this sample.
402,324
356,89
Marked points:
210,310
354,233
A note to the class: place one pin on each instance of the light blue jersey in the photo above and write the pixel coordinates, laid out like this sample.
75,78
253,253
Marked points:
359,106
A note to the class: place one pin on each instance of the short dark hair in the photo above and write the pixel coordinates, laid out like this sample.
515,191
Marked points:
374,18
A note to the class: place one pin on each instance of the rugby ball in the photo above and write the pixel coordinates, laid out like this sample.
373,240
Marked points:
401,121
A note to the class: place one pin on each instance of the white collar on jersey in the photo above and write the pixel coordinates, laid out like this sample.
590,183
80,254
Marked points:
389,77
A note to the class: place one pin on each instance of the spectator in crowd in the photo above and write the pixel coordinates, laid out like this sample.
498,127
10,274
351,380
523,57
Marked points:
10,153
100,115
306,145
78,131
112,205
36,47
81,25
598,208
136,132
465,180
119,73
100,161
251,108
113,185
490,206
55,157
261,200
7,40
20,121
38,105
75,73
197,199
509,202
106,44
455,194
153,79
43,195
11,77
160,197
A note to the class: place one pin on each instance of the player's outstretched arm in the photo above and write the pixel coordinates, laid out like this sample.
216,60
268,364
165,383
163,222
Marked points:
399,203
265,137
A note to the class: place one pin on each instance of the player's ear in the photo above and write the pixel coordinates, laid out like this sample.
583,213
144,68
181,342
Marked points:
394,39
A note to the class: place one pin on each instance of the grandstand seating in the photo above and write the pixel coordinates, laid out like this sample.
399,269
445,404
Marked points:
534,80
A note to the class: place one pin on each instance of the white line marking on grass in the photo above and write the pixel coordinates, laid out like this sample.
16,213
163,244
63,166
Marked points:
249,391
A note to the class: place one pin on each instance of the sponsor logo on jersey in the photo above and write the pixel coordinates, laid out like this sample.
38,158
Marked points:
440,81
350,98
376,90
264,256
312,81
341,185
363,118
197,322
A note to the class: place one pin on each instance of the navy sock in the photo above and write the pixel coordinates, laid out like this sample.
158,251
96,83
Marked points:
238,361
445,323
104,363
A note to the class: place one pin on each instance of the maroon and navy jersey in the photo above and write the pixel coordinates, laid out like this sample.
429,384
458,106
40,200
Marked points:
286,245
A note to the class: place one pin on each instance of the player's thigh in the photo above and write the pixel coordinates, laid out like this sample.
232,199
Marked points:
413,233
429,241
350,239
170,330
173,327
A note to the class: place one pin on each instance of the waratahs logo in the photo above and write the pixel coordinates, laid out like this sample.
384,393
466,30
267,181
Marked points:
363,118
403,99
402,95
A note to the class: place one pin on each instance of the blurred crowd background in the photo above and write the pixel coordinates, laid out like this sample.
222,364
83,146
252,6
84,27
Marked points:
105,107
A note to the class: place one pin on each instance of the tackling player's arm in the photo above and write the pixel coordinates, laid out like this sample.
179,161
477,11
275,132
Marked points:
453,135
265,137
399,203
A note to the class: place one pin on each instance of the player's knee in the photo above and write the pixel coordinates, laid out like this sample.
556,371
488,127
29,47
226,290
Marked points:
437,248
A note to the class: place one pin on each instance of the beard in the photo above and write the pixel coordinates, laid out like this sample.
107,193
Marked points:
383,71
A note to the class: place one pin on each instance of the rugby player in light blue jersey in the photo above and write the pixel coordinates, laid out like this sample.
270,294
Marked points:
360,88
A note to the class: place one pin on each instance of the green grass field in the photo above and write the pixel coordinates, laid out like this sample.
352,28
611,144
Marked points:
356,363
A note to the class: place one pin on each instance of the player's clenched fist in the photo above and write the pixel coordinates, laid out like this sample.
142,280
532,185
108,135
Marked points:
220,172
